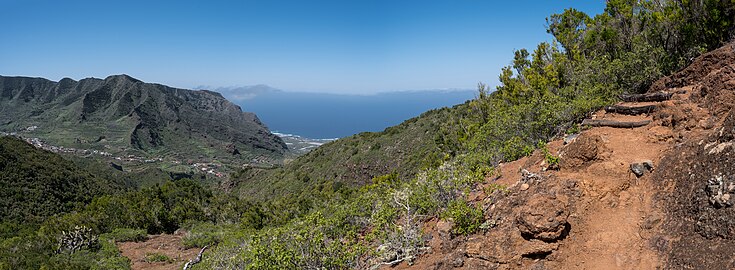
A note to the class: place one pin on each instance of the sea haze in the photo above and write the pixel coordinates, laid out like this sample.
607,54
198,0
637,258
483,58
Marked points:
321,115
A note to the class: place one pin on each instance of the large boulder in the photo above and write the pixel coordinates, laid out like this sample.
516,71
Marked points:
543,217
582,151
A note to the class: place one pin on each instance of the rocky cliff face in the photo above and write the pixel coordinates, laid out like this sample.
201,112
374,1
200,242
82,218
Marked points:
126,112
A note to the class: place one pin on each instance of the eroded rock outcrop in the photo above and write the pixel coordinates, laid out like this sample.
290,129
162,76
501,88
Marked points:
583,150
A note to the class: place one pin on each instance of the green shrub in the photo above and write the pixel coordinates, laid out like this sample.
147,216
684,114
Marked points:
109,256
551,160
491,188
574,129
25,252
128,235
207,233
157,257
467,219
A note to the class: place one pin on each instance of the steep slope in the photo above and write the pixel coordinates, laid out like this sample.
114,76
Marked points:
355,160
38,184
122,114
595,212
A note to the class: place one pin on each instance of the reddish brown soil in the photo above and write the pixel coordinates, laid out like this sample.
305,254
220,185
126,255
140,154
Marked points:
695,233
167,244
594,213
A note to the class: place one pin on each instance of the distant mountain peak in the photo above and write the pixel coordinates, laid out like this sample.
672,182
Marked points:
136,115
122,77
67,80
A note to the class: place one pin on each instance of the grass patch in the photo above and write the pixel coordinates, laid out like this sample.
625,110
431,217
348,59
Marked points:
128,235
157,257
206,233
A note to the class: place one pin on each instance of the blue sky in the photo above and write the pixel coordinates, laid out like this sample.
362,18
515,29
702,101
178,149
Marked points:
317,46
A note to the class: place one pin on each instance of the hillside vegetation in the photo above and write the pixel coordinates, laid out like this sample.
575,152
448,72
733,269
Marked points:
123,116
543,94
57,215
362,201
39,184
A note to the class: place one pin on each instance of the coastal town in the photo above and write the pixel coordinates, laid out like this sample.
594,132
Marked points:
297,146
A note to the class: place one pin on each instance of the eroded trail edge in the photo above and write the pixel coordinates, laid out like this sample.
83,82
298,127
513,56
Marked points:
657,195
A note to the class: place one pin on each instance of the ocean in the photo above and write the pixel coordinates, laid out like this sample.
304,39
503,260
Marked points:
324,116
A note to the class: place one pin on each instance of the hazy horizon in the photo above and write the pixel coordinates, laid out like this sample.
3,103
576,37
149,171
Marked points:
329,115
230,91
316,46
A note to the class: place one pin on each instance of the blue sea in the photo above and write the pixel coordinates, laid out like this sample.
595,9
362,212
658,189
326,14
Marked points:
322,116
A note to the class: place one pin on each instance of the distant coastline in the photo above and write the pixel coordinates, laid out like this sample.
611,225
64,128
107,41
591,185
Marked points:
330,116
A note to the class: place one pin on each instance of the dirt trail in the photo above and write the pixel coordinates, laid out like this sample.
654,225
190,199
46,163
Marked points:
166,244
607,228
609,220
595,212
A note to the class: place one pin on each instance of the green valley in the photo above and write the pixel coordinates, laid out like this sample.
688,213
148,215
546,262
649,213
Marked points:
139,158
137,124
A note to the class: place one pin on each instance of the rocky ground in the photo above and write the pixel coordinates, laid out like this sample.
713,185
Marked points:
142,253
658,196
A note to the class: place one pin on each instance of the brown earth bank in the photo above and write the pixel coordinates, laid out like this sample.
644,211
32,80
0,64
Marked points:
165,244
594,212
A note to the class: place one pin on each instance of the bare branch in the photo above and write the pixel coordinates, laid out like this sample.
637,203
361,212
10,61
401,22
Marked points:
196,260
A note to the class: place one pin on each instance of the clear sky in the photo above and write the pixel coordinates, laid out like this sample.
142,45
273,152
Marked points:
345,46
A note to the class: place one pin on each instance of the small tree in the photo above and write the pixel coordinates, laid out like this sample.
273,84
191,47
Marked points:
405,240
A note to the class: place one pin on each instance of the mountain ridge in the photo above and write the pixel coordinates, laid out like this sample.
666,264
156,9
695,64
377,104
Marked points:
130,114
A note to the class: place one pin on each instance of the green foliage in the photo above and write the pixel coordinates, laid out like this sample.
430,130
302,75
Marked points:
125,217
38,184
25,252
128,235
314,242
467,219
359,201
157,257
207,233
541,95
157,209
391,179
551,160
493,187
109,257
641,40
37,252
574,129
